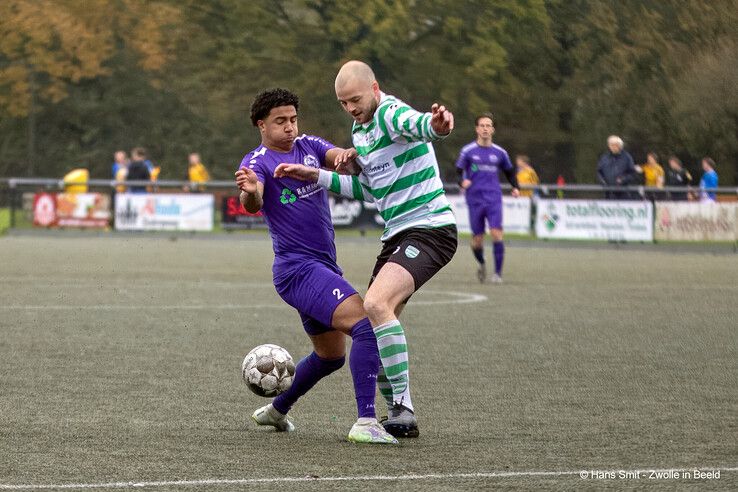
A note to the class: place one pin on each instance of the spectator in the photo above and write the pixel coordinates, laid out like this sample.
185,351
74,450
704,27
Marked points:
653,173
197,173
709,180
138,170
120,161
677,177
616,168
526,174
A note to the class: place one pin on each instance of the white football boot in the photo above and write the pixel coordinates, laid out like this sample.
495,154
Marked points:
269,416
367,430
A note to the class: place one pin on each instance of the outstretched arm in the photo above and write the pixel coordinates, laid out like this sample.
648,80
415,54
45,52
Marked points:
405,124
341,184
342,160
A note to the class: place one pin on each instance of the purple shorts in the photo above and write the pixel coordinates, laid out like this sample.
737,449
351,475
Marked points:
491,212
315,290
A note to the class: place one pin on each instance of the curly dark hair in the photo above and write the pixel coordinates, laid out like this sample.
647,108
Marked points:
265,101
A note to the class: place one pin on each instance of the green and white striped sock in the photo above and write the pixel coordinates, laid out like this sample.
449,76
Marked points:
385,388
393,353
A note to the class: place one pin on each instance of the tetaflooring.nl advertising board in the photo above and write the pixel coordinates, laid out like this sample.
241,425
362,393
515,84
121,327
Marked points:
608,220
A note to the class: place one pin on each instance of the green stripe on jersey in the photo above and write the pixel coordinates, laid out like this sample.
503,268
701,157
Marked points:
396,118
409,205
356,188
336,184
360,128
364,150
404,182
409,155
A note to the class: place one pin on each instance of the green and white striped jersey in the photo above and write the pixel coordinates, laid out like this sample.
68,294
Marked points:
399,171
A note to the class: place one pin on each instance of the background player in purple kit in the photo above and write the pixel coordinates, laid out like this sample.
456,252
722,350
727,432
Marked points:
305,272
478,165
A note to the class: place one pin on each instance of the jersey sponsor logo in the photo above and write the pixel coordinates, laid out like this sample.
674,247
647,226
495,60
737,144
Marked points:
490,168
308,190
412,252
376,169
310,161
287,196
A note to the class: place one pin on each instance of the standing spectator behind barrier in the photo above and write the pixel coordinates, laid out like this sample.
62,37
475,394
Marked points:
120,161
197,173
709,180
616,168
138,170
653,174
526,174
120,169
677,176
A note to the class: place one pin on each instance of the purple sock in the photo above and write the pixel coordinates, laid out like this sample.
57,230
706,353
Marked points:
308,371
364,363
498,248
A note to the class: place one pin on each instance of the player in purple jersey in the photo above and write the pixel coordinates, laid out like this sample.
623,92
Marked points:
305,272
478,165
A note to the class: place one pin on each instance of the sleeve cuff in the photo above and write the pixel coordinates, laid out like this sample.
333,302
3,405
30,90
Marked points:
325,178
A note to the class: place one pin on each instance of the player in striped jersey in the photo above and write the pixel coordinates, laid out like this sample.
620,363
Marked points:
399,173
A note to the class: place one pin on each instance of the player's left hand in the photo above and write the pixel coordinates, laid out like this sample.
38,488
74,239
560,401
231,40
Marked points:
442,120
515,193
344,161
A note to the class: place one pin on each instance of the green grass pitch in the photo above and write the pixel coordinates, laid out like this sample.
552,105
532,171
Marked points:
120,361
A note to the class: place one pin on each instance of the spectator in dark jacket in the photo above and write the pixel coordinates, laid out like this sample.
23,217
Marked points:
616,168
138,170
677,176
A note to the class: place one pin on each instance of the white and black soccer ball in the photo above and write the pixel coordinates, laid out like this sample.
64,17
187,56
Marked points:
268,370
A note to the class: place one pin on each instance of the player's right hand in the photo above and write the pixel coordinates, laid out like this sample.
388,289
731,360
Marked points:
297,171
466,184
246,180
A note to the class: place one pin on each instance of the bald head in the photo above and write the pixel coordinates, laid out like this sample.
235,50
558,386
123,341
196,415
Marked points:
357,90
355,71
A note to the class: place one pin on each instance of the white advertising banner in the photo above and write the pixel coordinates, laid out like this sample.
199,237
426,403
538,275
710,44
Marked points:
164,212
595,219
515,214
696,221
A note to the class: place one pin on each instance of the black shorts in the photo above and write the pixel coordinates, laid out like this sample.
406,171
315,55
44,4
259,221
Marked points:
422,252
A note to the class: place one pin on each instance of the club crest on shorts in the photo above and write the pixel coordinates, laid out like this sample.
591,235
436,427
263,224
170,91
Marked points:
412,252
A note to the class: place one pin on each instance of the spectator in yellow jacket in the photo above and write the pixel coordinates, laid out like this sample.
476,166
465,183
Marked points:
197,173
653,173
526,174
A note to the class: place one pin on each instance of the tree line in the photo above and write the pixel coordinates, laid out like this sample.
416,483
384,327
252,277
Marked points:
80,79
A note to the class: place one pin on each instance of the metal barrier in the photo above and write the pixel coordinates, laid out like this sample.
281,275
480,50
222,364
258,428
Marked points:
12,192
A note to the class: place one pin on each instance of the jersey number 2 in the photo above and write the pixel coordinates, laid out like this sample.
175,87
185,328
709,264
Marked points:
338,294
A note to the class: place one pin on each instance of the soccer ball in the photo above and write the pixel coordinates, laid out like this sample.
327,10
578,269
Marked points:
268,370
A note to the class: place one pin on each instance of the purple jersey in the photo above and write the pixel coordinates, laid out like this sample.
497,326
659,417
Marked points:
296,212
481,165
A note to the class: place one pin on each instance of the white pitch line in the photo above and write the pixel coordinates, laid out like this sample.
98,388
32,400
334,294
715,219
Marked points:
460,298
358,478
